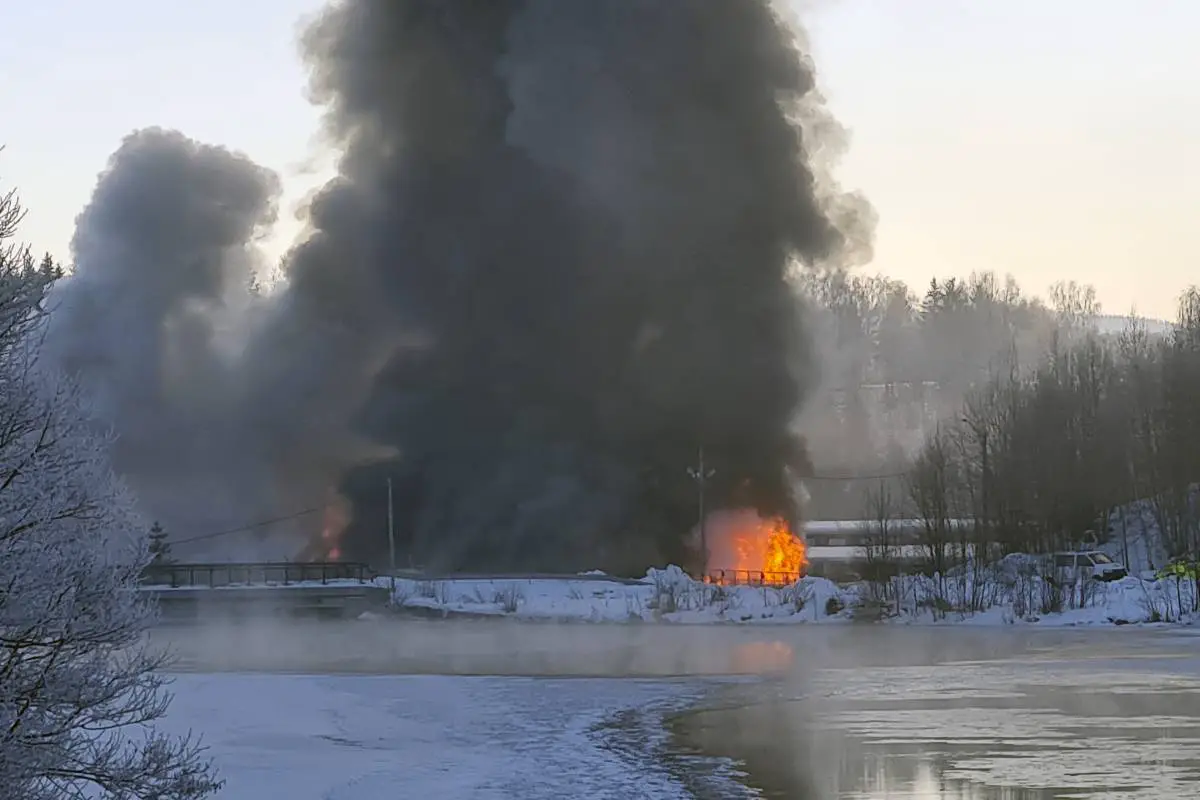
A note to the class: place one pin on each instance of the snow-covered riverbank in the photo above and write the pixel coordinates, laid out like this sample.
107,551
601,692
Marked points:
671,596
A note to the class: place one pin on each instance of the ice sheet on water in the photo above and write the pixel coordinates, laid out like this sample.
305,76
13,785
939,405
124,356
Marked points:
383,737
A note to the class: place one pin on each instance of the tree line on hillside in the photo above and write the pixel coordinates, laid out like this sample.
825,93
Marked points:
895,363
870,329
1053,456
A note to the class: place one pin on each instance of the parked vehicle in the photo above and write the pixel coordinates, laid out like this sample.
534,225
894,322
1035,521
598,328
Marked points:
1089,564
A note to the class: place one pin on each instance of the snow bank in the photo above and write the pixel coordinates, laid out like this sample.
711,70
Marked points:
1008,593
664,595
1014,591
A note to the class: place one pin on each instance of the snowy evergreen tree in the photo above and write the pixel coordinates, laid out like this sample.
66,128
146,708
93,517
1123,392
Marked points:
79,688
160,548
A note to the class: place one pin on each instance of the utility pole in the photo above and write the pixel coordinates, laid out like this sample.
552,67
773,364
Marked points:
700,474
391,528
391,541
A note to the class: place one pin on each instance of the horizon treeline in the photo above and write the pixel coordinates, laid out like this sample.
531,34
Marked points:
1038,419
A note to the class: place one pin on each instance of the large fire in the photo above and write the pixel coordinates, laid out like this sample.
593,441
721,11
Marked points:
745,547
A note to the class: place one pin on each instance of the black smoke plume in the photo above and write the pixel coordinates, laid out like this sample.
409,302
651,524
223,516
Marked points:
555,262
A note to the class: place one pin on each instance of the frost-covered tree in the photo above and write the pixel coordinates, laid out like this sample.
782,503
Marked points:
79,687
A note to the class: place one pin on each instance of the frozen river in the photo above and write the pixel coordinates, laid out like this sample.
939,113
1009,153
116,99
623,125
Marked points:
389,709
1097,714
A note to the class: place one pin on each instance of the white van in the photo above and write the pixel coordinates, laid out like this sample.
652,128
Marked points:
1088,563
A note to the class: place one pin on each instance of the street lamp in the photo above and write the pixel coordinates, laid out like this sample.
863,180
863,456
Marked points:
391,529
700,474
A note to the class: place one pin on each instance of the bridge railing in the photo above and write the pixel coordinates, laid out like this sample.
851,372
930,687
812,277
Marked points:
253,574
750,577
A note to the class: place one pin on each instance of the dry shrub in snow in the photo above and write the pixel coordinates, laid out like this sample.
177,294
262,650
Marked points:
509,598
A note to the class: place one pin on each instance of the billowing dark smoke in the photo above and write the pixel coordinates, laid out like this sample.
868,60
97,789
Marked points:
587,212
554,264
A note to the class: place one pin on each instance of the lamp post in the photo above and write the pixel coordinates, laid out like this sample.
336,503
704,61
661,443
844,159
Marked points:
391,529
700,474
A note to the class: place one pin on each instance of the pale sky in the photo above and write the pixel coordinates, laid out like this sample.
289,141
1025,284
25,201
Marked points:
1052,139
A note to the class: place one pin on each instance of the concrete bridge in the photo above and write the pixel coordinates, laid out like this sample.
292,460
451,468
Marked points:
204,591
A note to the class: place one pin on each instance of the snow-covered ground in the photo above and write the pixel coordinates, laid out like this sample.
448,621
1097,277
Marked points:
353,737
1003,596
664,595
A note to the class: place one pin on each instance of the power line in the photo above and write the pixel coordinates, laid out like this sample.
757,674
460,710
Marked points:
262,524
306,512
879,477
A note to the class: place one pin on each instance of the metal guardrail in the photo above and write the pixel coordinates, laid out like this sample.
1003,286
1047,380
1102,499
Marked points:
750,577
253,574
498,577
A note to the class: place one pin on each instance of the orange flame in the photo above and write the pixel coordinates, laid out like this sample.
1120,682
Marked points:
766,549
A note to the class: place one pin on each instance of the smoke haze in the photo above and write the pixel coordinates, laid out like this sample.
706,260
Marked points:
556,260
155,312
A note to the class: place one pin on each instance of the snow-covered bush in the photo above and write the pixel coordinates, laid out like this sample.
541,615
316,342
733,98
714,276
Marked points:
509,598
1168,599
79,688
672,589
797,596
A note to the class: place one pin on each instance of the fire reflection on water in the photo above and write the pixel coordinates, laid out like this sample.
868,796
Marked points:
763,657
